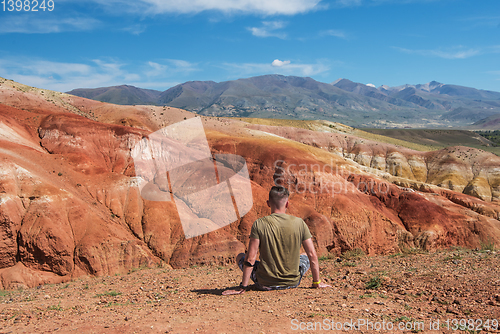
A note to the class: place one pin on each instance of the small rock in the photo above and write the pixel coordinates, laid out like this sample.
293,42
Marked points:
439,309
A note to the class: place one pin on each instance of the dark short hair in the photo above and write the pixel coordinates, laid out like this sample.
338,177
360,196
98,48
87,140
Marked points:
277,195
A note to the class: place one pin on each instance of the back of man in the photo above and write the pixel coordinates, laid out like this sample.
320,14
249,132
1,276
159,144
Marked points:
280,237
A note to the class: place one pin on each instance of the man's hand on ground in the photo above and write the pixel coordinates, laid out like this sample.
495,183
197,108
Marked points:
237,291
321,285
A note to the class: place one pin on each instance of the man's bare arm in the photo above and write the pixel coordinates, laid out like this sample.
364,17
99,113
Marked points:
313,260
251,257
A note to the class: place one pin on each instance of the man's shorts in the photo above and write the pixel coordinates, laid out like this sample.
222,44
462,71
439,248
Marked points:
304,266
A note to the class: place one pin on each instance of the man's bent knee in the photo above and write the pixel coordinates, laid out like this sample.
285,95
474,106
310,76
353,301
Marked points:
239,257
304,264
239,260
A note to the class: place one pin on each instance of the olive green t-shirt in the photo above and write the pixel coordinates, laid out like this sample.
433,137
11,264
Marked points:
280,237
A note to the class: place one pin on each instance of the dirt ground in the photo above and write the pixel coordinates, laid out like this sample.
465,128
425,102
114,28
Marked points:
449,291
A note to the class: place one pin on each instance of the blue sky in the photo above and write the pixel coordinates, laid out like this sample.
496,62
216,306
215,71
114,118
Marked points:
159,43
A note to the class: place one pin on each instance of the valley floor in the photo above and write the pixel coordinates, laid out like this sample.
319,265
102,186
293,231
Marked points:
440,291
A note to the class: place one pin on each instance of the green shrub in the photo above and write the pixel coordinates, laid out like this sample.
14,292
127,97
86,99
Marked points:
374,283
353,254
109,293
487,245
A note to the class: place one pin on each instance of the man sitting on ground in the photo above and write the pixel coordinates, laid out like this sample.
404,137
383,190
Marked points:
278,237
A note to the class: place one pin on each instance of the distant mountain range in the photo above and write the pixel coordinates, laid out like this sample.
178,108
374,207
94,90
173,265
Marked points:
275,96
124,95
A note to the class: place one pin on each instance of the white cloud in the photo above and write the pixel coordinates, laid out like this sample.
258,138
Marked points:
371,85
63,77
169,67
483,21
250,69
58,22
334,33
451,53
269,29
43,67
348,3
135,29
493,49
353,3
157,68
182,65
496,74
279,63
39,25
263,7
